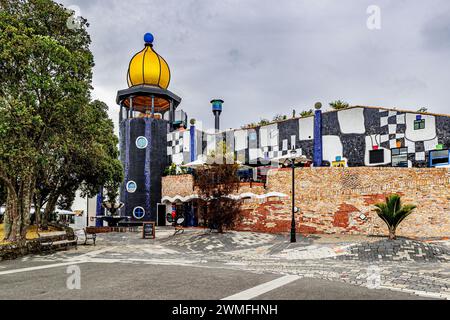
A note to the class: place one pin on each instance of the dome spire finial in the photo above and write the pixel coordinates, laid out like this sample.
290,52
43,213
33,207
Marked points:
148,38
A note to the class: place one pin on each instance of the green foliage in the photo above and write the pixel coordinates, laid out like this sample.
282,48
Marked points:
339,105
392,212
54,140
279,117
307,113
174,170
423,110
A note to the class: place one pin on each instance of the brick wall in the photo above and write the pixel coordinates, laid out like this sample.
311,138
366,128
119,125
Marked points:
182,185
340,200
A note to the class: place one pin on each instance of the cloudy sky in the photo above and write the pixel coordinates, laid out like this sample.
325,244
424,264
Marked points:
269,57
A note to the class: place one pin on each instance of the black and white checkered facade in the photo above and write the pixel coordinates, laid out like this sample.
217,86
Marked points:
350,134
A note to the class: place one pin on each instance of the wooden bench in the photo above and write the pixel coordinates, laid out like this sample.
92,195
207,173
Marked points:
89,234
47,244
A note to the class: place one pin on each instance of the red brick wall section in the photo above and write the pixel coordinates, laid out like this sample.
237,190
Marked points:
340,201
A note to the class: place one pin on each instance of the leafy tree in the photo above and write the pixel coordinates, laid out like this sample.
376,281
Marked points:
392,212
307,113
279,117
339,105
86,159
216,184
53,139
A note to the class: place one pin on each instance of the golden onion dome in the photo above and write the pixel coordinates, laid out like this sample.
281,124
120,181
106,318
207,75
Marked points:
148,68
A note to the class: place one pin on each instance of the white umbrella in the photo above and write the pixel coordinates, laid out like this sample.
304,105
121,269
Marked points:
201,161
298,158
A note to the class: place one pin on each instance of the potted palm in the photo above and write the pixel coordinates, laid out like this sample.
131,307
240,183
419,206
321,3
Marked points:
392,212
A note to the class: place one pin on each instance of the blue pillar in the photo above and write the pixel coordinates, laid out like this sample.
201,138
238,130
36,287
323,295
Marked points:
318,155
193,151
148,124
99,209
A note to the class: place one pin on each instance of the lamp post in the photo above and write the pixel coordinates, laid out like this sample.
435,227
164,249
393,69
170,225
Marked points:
292,160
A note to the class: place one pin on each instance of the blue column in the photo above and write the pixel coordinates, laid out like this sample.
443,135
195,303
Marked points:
148,124
193,151
318,155
99,209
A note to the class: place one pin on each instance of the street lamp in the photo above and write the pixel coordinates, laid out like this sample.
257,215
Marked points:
292,157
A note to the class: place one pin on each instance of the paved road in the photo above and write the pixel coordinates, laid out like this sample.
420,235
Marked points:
237,265
166,282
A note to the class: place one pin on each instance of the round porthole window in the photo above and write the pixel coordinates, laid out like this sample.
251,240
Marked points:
131,186
141,142
138,212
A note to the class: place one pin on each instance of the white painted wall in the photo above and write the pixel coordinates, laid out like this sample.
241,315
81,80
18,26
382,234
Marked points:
306,128
240,140
387,153
332,148
352,121
428,133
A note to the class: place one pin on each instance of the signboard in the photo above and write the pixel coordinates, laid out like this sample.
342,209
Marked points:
148,230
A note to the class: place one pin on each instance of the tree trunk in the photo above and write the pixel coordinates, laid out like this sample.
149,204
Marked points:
11,208
49,208
37,199
7,220
25,198
392,235
12,221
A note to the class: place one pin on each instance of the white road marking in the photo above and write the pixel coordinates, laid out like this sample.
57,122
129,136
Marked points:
263,288
48,266
92,253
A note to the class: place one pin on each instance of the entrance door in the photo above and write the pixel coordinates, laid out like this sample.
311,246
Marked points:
161,215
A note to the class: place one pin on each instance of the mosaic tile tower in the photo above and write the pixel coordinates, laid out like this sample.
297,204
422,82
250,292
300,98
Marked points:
147,114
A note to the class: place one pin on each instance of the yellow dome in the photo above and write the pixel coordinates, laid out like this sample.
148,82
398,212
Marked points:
147,67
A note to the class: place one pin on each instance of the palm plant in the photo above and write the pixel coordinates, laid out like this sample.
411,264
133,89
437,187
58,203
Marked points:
393,213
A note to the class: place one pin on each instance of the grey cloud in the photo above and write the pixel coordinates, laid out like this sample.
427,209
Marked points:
267,57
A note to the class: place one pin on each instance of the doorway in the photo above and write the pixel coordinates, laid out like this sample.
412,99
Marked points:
161,211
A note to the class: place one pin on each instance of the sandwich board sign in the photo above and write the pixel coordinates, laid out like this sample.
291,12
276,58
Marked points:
148,230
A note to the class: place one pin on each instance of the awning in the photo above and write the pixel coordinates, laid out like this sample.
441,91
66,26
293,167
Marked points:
246,195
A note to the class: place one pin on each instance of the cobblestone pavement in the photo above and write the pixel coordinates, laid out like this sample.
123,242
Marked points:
403,265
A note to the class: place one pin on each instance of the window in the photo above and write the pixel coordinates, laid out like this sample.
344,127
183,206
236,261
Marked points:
376,156
141,142
399,157
138,212
131,186
419,124
439,158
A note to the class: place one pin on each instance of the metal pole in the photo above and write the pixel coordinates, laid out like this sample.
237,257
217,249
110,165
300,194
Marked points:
131,107
171,115
153,106
217,121
293,238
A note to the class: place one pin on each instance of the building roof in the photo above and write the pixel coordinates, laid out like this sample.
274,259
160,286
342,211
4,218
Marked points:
351,107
